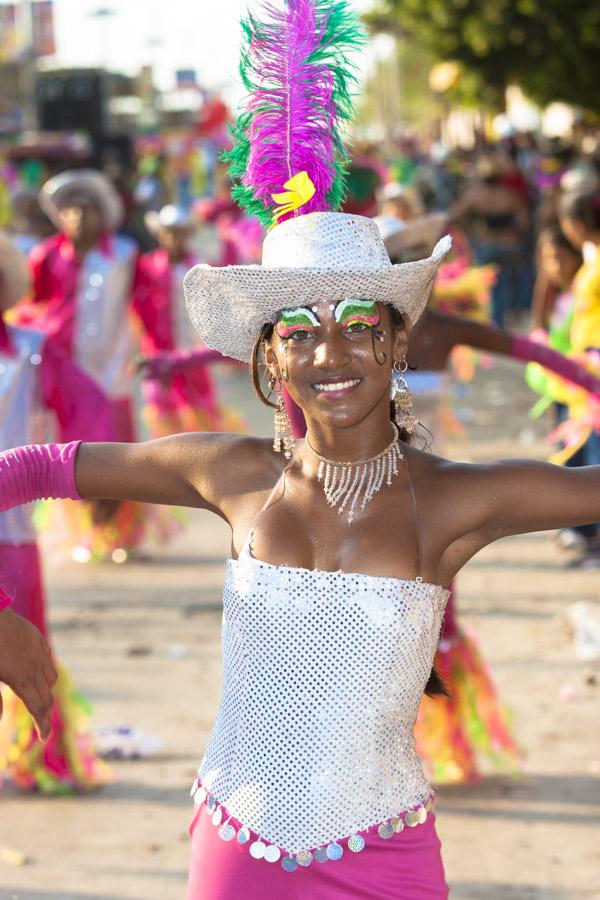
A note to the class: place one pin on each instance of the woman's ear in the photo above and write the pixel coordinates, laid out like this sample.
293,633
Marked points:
400,338
271,361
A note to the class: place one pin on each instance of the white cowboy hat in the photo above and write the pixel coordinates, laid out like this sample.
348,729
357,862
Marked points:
171,216
89,181
401,237
14,273
327,255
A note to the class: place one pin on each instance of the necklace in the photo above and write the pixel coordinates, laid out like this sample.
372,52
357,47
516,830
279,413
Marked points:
345,483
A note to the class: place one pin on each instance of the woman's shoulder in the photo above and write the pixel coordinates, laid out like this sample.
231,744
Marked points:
234,464
440,476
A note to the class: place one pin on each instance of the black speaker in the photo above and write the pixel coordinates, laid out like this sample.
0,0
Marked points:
71,100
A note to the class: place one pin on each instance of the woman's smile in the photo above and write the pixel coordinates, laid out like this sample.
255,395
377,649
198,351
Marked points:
332,388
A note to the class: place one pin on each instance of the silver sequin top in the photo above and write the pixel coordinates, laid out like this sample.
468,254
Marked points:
322,680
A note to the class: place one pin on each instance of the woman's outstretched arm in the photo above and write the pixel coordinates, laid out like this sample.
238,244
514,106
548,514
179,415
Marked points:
520,496
197,470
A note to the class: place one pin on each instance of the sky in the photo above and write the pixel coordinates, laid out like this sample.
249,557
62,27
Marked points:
169,34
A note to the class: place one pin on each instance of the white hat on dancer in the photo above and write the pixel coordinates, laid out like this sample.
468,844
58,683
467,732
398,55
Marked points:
171,216
59,189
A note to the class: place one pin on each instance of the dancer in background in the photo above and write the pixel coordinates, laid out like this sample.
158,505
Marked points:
187,400
81,295
497,223
37,378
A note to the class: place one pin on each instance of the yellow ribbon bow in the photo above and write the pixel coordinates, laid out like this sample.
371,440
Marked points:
300,189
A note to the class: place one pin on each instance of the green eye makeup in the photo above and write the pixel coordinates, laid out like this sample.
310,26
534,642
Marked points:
348,312
292,320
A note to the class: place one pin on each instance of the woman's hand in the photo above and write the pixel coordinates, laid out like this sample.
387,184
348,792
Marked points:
26,667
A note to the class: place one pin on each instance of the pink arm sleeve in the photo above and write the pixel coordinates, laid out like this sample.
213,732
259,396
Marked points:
36,472
5,600
531,351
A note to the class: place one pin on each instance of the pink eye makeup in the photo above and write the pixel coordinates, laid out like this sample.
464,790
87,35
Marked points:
293,320
349,312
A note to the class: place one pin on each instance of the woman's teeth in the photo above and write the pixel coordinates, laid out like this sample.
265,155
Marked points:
338,385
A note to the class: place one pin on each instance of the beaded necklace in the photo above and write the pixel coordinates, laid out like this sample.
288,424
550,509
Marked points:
345,483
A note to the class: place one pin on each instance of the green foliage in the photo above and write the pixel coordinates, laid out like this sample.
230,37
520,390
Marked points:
550,48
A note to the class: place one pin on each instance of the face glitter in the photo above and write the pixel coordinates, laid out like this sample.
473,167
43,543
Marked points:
349,312
293,320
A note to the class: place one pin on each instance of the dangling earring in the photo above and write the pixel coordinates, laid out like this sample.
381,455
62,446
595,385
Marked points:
402,399
283,436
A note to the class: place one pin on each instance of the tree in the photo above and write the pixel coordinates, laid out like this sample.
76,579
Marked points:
551,48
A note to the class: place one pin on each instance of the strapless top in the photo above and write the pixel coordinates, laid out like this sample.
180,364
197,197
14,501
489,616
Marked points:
323,673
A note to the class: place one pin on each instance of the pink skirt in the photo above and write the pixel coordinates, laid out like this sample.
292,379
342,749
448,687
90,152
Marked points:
406,867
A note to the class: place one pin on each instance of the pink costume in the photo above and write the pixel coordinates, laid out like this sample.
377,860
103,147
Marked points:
38,379
85,304
186,401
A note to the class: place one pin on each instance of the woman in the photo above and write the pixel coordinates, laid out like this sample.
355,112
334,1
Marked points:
37,383
187,401
497,224
333,663
342,547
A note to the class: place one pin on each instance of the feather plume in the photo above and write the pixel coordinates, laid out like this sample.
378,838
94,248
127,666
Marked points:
296,70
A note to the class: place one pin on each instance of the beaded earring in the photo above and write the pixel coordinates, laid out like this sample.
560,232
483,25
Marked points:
283,438
402,399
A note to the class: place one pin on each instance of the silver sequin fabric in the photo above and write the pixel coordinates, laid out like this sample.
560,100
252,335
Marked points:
323,673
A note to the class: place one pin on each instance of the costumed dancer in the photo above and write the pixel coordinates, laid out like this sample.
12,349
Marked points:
310,785
186,400
81,294
37,378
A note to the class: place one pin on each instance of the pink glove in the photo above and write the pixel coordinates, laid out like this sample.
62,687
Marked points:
5,601
531,351
36,472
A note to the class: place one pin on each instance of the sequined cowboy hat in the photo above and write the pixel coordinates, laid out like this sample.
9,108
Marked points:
56,191
329,255
14,273
171,216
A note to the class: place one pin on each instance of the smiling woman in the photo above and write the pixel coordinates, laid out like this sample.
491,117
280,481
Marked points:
330,626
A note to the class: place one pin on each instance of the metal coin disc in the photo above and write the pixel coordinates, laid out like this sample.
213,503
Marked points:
227,832
321,855
195,787
257,849
272,853
356,843
411,818
397,824
243,835
217,816
386,831
422,814
304,858
200,796
211,804
289,864
335,851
